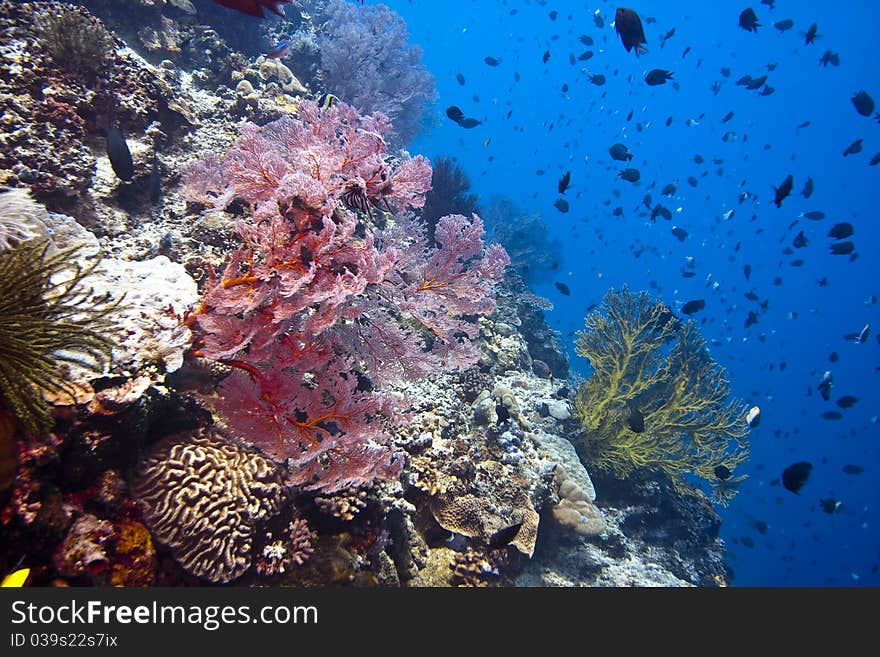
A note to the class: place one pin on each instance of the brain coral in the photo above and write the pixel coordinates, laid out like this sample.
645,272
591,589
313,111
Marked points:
203,498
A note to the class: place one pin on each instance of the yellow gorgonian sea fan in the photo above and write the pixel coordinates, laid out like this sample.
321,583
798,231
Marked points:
656,399
48,317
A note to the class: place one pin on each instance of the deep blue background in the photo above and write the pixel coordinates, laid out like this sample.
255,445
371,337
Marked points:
804,322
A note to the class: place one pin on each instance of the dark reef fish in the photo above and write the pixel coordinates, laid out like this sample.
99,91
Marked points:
808,188
825,385
783,190
852,469
326,100
256,8
842,248
795,476
657,76
117,151
561,204
630,175
680,233
564,181
454,113
598,79
635,420
861,337
748,20
469,122
562,287
829,57
863,102
629,28
503,537
829,504
784,25
620,153
812,34
492,61
693,306
841,231
722,472
854,148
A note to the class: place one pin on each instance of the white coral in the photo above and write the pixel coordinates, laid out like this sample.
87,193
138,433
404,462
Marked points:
21,218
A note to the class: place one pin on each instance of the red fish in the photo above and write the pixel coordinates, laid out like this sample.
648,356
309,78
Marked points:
629,26
255,8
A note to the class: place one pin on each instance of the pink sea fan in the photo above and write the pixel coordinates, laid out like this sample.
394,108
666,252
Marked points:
330,435
252,166
409,183
204,181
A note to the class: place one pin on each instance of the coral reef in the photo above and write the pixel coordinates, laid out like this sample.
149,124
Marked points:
134,557
86,547
204,498
52,117
524,235
656,399
321,374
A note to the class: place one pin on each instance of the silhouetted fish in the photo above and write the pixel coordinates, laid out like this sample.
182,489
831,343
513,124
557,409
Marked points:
795,476
748,20
117,151
629,28
503,537
657,77
693,306
783,190
635,420
783,25
841,231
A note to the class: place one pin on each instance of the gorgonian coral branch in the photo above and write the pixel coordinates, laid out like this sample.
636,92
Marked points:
656,399
318,307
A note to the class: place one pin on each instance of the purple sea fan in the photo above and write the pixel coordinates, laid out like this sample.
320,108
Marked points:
366,61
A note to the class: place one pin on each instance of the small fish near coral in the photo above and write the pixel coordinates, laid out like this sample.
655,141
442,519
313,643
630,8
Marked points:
278,51
255,8
117,151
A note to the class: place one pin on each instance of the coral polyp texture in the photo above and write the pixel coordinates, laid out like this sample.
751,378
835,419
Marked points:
204,498
656,398
77,41
47,320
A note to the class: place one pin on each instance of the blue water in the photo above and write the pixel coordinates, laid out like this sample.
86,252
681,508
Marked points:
803,322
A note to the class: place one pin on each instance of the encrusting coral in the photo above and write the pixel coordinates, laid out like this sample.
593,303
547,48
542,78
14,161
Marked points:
47,319
656,398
